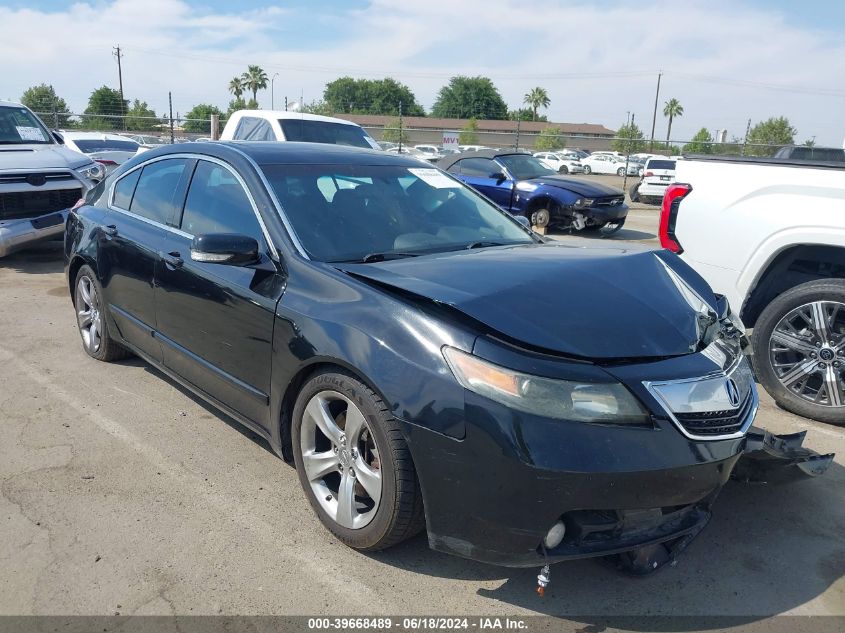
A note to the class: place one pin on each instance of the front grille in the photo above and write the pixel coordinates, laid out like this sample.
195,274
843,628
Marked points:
43,177
610,201
716,422
31,204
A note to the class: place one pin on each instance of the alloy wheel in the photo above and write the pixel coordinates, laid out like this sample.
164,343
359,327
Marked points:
807,352
89,315
341,459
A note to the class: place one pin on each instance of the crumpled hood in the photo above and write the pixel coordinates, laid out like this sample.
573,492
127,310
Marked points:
37,156
582,187
595,303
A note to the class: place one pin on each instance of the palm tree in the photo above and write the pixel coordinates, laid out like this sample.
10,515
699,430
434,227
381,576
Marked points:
536,98
236,87
672,109
255,79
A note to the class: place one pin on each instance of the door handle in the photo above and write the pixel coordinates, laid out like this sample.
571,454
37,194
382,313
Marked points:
110,230
172,260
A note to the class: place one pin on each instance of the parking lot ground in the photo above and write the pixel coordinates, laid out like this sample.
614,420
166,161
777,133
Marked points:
122,493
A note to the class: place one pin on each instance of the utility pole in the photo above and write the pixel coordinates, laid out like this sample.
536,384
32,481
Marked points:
400,127
745,140
628,153
286,104
118,55
170,102
518,121
654,116
272,93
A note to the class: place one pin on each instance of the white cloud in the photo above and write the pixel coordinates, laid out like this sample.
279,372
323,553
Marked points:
571,48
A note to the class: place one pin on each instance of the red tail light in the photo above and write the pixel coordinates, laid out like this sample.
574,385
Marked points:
78,204
669,215
104,161
649,173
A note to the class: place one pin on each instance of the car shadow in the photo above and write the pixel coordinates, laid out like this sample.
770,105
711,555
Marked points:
41,258
768,549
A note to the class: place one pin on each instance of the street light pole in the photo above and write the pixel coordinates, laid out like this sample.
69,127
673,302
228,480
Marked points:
272,95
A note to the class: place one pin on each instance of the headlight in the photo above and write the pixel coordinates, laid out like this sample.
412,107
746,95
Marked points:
92,171
605,403
526,186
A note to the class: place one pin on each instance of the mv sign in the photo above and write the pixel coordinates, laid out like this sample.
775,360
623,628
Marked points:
450,140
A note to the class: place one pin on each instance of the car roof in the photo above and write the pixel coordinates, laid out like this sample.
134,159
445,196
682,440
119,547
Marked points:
448,161
290,153
287,114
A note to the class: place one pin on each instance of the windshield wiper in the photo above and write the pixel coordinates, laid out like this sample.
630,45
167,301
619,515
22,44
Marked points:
381,257
484,244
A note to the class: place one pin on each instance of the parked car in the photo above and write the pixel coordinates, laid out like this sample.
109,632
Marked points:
561,163
472,148
431,152
658,175
39,179
769,233
398,333
110,150
833,154
524,186
282,125
387,145
608,164
146,140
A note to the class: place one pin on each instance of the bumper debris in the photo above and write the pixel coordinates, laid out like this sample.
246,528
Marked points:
768,457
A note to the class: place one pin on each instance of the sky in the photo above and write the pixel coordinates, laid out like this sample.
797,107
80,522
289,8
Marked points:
726,61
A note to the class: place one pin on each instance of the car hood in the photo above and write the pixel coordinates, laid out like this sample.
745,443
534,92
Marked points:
579,186
595,303
37,156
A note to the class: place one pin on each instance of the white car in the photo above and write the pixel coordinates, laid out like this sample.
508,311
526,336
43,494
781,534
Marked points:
560,163
658,174
432,152
607,164
282,125
110,150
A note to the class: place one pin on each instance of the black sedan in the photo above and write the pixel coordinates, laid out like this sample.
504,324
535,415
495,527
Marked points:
426,361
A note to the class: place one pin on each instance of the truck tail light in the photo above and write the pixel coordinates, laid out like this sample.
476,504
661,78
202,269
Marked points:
105,161
669,215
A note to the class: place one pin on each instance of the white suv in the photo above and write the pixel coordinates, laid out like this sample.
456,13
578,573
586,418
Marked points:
658,174
281,125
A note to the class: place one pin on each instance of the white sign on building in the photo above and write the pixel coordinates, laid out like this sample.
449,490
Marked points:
450,139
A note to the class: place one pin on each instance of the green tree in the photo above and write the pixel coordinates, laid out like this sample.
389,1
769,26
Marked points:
732,148
525,114
469,97
44,100
318,107
140,118
199,118
394,134
469,133
365,96
775,131
550,139
672,109
536,98
629,139
701,143
810,142
254,79
104,110
234,105
236,87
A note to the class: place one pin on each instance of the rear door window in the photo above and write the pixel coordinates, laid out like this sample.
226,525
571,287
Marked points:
156,189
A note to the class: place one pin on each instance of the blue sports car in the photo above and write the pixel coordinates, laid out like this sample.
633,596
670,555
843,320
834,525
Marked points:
522,185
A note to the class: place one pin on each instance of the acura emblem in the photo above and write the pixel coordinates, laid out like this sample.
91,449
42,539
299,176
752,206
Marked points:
733,392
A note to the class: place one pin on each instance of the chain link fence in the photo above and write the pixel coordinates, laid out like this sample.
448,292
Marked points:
154,130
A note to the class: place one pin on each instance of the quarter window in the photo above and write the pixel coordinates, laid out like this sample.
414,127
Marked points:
124,189
254,129
479,167
217,203
156,187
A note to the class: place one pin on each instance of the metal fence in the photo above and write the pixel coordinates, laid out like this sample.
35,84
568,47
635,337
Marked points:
181,129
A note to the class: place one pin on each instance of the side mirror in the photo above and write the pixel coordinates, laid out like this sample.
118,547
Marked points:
498,176
224,248
523,221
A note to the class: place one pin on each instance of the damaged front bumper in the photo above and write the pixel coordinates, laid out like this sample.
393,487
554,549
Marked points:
770,457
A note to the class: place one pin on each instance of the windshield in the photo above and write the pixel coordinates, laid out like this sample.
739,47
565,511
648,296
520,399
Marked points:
346,212
324,132
92,145
19,126
524,166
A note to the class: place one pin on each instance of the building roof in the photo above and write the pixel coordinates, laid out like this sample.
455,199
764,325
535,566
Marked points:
484,125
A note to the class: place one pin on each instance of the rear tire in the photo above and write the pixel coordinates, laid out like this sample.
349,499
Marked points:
363,436
588,170
92,318
792,368
634,193
563,170
620,171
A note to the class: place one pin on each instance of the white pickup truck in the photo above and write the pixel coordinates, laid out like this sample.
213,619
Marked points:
770,235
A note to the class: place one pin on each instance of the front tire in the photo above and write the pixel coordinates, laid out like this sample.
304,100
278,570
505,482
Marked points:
563,169
799,350
620,171
92,318
541,218
353,463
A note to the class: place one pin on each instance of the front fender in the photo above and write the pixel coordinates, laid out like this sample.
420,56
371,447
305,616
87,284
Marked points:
542,196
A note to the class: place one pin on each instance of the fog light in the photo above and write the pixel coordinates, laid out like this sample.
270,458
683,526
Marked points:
555,535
